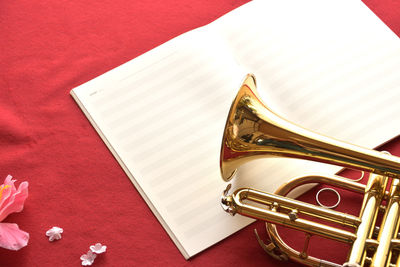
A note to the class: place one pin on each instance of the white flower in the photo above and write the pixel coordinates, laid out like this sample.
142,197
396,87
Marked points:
54,233
88,259
98,248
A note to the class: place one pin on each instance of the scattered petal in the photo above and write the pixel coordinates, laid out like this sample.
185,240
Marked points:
98,248
88,259
54,233
11,237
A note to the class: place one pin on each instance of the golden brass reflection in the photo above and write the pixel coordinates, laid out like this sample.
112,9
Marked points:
253,131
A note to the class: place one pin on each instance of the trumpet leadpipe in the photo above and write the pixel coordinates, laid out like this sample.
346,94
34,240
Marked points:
236,202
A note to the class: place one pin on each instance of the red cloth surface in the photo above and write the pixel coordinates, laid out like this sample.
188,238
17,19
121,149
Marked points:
46,49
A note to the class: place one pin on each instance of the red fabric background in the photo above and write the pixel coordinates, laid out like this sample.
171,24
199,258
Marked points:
46,49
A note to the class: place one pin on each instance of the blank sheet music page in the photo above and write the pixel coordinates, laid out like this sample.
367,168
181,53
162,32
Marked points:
163,113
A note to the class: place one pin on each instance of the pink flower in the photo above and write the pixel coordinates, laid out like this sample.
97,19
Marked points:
12,200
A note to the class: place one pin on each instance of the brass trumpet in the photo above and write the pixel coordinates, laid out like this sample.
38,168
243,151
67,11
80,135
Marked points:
253,131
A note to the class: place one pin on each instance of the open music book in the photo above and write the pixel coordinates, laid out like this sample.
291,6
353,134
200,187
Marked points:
329,66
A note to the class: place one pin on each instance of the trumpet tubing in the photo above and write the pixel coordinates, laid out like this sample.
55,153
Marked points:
254,131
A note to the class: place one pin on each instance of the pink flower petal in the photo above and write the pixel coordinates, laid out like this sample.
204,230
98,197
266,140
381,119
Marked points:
11,237
12,200
7,191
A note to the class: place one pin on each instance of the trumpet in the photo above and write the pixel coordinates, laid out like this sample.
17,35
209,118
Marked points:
253,131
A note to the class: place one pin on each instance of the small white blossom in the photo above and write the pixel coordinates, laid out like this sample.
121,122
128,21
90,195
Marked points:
88,259
54,233
98,248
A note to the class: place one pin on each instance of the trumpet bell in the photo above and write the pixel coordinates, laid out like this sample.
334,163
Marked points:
253,131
